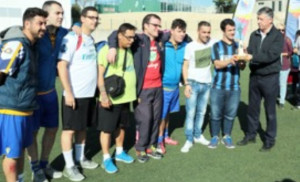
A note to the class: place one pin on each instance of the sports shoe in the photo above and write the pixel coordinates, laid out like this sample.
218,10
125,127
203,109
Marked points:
73,174
52,173
170,141
202,140
227,141
161,148
109,166
213,142
123,157
88,164
151,152
186,147
142,156
39,176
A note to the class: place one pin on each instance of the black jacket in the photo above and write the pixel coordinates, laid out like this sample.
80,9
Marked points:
266,53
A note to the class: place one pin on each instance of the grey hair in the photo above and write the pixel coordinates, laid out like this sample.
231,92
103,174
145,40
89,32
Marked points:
266,10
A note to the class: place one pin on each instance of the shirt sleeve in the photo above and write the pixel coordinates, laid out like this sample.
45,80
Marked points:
102,56
68,47
187,53
12,54
214,52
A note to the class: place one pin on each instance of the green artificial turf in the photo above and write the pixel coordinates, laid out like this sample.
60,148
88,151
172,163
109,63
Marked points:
242,164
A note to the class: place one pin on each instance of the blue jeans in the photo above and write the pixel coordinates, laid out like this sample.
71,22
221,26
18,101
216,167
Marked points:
196,109
224,105
283,84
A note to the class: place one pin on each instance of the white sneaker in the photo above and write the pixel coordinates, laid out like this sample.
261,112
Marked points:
88,164
186,147
73,174
52,173
202,140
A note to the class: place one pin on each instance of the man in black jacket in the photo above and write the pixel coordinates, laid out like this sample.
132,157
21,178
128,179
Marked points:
264,50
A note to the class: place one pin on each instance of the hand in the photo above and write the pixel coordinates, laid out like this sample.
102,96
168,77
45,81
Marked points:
76,29
111,56
284,54
105,101
70,100
187,91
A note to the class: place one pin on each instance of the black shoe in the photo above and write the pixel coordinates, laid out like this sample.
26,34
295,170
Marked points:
245,141
266,147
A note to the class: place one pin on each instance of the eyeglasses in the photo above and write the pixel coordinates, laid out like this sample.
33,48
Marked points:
93,18
281,30
129,37
155,25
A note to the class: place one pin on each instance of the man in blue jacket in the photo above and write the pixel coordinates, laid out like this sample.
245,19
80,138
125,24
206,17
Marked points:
47,114
18,90
174,53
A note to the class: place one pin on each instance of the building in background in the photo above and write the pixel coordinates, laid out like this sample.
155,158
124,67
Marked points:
277,5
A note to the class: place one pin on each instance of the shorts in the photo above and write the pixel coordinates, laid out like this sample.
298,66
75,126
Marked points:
47,114
170,102
83,115
15,135
117,116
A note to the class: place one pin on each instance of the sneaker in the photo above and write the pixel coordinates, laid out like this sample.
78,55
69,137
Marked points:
161,148
170,141
213,142
142,156
151,152
88,164
202,140
227,141
52,173
186,147
39,176
73,174
109,166
123,157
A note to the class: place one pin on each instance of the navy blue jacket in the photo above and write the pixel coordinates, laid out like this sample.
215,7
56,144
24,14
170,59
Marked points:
19,89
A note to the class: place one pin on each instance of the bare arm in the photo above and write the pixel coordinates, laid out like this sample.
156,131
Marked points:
224,63
105,101
64,78
188,88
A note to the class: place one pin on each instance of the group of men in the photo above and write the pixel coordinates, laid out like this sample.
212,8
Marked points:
151,64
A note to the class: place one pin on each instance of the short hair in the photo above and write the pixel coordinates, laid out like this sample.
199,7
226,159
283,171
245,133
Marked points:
226,22
297,34
126,26
30,13
266,10
180,23
147,19
47,4
88,8
203,23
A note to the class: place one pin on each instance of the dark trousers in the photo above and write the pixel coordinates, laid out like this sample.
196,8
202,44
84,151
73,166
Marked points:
148,116
263,87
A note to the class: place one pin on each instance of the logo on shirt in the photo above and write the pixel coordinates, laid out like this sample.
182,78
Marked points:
8,50
7,150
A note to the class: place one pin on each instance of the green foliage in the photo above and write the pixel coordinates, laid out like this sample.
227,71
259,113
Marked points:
75,13
225,6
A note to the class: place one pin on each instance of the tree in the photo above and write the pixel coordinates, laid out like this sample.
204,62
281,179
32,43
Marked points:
225,6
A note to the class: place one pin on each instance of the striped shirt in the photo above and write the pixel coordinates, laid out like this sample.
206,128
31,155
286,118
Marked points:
226,78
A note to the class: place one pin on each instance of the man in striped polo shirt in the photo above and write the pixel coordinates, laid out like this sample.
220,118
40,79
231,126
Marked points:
225,92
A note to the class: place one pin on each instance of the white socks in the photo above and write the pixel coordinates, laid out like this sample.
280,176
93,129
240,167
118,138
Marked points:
106,156
119,150
79,152
68,155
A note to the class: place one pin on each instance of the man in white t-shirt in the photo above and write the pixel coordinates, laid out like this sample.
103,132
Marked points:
77,70
197,81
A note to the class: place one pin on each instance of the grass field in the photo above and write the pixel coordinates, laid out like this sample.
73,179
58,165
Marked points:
242,164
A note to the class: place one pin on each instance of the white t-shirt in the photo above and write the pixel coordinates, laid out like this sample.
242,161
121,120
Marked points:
199,57
82,66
